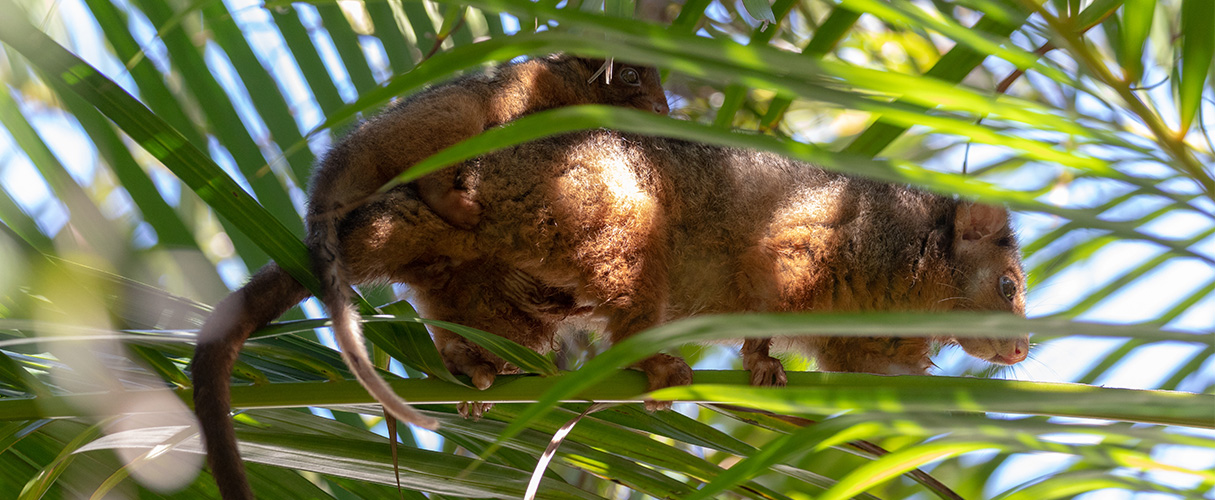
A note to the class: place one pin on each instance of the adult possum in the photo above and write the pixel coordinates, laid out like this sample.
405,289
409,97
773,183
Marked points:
354,169
636,231
641,230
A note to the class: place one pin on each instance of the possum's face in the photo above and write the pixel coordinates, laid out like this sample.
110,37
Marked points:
990,277
627,85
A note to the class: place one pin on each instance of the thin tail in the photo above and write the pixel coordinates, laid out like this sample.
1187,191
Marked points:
348,331
268,295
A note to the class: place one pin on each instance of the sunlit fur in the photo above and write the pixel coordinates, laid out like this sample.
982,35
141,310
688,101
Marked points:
635,231
375,152
898,249
638,231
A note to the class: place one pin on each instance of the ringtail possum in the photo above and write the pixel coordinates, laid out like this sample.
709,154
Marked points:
353,170
634,231
639,230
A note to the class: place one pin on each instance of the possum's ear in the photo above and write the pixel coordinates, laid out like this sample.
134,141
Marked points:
976,221
591,64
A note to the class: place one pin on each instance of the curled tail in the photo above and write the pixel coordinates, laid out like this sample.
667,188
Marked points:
348,331
269,294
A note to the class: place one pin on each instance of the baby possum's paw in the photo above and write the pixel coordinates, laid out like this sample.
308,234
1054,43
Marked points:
463,358
461,210
766,371
662,371
460,359
483,376
473,409
469,362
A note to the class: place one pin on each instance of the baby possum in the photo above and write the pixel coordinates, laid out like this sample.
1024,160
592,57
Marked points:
422,125
355,168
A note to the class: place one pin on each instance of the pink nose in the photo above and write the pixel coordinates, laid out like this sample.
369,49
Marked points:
662,108
1018,353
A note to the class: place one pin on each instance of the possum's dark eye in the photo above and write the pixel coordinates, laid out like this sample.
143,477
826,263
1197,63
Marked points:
1008,288
630,76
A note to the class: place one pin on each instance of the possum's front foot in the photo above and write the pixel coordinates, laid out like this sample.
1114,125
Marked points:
483,375
463,358
766,371
662,371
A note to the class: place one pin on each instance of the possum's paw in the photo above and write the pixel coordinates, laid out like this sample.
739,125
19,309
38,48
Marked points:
473,409
766,371
481,372
469,214
460,358
662,371
652,405
483,376
455,205
459,209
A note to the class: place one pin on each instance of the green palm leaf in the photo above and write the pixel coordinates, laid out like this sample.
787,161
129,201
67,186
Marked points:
118,233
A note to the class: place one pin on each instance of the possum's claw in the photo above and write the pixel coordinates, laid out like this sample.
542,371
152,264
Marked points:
473,409
481,372
662,371
652,405
482,375
766,371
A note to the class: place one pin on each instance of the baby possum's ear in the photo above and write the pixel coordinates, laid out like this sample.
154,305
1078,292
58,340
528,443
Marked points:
593,65
976,221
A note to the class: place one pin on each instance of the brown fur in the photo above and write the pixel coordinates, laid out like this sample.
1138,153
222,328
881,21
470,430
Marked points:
425,123
269,294
422,125
635,231
355,168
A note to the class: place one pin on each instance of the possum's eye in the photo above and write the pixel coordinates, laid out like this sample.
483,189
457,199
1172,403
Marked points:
630,76
1008,288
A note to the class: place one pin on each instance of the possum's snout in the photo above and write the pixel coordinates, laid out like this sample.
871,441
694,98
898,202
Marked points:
1015,351
1001,351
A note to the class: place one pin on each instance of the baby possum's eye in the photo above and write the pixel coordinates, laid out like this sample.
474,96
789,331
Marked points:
1008,288
630,76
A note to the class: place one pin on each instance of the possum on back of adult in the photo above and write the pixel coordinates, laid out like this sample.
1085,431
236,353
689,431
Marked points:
350,173
422,125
